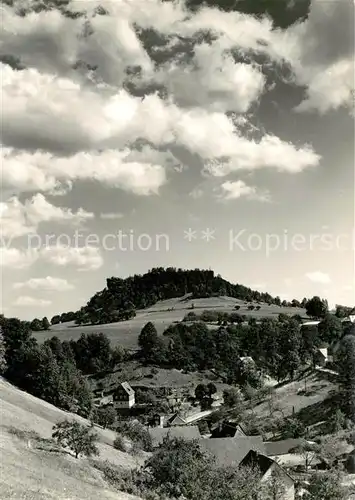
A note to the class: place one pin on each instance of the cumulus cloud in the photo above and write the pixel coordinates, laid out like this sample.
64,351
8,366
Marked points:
17,219
27,301
17,258
233,190
86,258
318,277
325,64
23,171
49,283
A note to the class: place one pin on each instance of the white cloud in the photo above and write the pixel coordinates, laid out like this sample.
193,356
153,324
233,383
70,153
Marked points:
42,171
17,219
213,80
86,258
325,58
111,215
27,301
16,258
318,277
48,283
239,189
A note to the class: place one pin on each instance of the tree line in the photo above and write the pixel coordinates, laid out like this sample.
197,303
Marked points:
55,370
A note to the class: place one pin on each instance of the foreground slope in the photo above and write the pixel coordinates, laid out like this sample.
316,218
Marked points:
27,472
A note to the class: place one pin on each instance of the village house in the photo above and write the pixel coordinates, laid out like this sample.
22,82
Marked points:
229,452
321,357
123,396
227,429
269,468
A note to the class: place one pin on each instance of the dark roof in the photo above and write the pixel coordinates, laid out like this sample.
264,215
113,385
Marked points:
188,432
274,448
258,460
255,459
228,429
231,451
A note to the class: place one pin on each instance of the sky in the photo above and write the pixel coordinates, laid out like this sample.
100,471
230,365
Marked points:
152,136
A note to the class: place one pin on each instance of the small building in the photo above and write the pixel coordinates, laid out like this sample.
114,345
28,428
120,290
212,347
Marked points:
352,315
174,419
229,452
123,397
228,429
269,469
188,432
321,357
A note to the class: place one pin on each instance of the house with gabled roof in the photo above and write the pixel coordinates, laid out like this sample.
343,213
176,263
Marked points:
229,452
228,429
269,469
123,396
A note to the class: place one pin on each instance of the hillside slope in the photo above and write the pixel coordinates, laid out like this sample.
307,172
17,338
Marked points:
27,472
162,314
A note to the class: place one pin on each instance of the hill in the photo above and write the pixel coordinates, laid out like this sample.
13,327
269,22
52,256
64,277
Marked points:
121,298
162,314
28,470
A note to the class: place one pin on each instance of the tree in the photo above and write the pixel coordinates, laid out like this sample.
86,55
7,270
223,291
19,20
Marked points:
274,488
337,421
105,416
136,432
55,320
308,451
294,428
326,486
45,323
201,392
233,397
148,339
346,368
77,437
316,307
331,448
330,329
36,325
3,364
180,469
211,388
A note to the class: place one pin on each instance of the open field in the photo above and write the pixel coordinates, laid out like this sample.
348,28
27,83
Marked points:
126,333
27,472
311,406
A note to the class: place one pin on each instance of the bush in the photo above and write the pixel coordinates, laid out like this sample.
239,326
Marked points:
78,438
119,443
135,431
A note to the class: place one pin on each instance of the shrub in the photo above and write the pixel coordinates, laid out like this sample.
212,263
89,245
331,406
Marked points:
135,431
119,443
